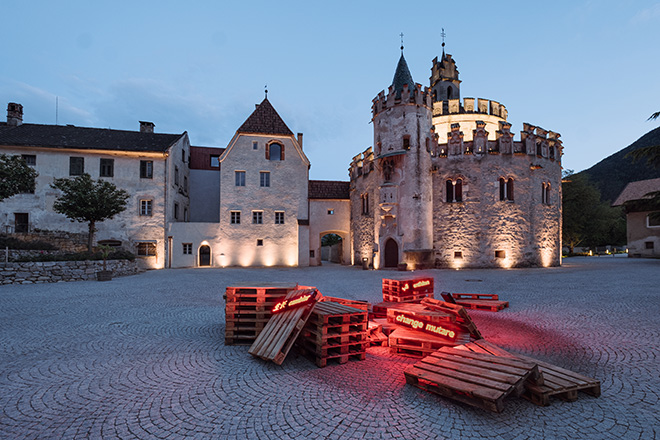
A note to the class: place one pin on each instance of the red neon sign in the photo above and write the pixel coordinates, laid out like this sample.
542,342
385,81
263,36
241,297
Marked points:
416,285
292,303
418,324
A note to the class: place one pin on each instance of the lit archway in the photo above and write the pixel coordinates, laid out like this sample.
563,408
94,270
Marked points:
204,255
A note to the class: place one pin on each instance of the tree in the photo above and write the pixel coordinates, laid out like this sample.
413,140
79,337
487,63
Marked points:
652,200
15,176
84,200
650,153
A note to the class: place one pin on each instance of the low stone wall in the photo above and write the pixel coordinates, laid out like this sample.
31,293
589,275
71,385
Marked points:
58,271
62,240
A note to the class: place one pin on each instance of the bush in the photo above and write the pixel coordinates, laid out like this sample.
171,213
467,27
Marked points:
16,244
119,254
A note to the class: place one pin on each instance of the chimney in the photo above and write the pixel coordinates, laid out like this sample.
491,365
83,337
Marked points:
14,114
146,127
300,140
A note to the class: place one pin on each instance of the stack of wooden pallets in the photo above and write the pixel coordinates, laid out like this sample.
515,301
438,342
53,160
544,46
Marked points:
334,332
248,309
408,290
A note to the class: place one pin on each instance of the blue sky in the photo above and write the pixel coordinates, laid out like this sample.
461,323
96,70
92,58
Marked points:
586,69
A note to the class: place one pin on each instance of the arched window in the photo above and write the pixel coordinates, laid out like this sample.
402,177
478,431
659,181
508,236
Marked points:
545,194
454,190
506,189
450,191
274,151
449,92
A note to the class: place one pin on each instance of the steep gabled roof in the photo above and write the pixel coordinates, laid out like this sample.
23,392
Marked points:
69,136
265,120
402,76
637,191
328,189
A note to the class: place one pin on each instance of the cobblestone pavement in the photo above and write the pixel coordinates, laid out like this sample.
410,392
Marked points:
144,357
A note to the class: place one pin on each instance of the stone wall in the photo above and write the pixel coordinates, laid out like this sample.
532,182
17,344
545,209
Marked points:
62,240
58,271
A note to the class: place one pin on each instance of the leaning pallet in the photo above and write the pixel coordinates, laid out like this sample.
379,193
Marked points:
362,305
476,301
461,315
289,318
248,309
335,332
558,382
478,379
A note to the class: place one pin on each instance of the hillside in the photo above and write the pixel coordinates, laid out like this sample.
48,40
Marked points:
613,173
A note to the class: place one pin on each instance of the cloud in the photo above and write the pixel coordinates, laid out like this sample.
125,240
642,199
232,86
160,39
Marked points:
648,14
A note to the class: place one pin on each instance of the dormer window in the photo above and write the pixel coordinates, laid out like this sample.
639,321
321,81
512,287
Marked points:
274,151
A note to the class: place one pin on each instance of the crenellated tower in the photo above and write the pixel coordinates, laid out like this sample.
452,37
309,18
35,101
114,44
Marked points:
403,142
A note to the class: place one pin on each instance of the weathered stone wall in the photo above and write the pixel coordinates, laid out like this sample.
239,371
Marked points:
59,271
62,240
363,181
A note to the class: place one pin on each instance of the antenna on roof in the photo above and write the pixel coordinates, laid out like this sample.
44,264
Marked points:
57,107
401,35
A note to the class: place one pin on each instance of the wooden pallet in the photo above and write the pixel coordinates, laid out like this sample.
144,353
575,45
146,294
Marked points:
375,334
362,305
478,379
278,336
476,301
558,382
461,315
407,298
416,344
419,310
404,290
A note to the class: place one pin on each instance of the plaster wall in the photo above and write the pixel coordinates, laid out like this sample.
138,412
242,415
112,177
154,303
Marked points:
443,123
322,223
205,195
639,233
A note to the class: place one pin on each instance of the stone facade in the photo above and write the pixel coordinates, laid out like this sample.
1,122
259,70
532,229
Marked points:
60,271
429,195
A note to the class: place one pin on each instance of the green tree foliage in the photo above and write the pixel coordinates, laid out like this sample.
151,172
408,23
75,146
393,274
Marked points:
586,220
652,200
330,239
15,176
86,201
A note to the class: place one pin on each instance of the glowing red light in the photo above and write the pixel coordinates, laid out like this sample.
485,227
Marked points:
292,303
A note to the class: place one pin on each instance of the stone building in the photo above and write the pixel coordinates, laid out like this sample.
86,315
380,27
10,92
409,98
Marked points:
446,184
643,229
152,167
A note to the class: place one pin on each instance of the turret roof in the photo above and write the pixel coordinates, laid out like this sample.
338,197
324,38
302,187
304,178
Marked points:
402,76
265,120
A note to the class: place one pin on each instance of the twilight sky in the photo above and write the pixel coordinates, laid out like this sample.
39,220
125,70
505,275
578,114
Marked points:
586,69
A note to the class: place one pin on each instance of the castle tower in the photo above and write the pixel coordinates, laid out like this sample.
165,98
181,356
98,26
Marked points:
403,188
445,84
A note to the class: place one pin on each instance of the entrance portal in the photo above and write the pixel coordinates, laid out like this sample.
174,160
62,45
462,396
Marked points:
205,255
391,253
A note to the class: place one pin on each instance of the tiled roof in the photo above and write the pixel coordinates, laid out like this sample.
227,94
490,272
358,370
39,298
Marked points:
637,190
328,189
265,120
402,76
69,136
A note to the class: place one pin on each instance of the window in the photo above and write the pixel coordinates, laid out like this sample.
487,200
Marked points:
311,253
240,178
185,214
260,242
21,222
146,249
183,155
257,217
331,212
274,151
545,193
76,166
264,178
176,211
215,161
406,142
500,254
107,168
449,92
176,176
458,255
653,219
146,169
255,145
185,184
506,189
648,244
365,204
30,159
187,248
145,207
235,217
454,190
279,217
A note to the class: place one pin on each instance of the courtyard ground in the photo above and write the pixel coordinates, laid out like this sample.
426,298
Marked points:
144,357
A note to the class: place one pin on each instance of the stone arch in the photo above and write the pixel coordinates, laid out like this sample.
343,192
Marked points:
344,252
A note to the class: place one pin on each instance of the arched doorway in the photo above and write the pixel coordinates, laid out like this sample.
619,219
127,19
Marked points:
332,248
391,253
205,255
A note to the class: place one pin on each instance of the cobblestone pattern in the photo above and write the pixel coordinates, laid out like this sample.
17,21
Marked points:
57,271
142,357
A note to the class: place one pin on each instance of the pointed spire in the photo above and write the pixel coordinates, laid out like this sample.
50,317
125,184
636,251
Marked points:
265,120
402,76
